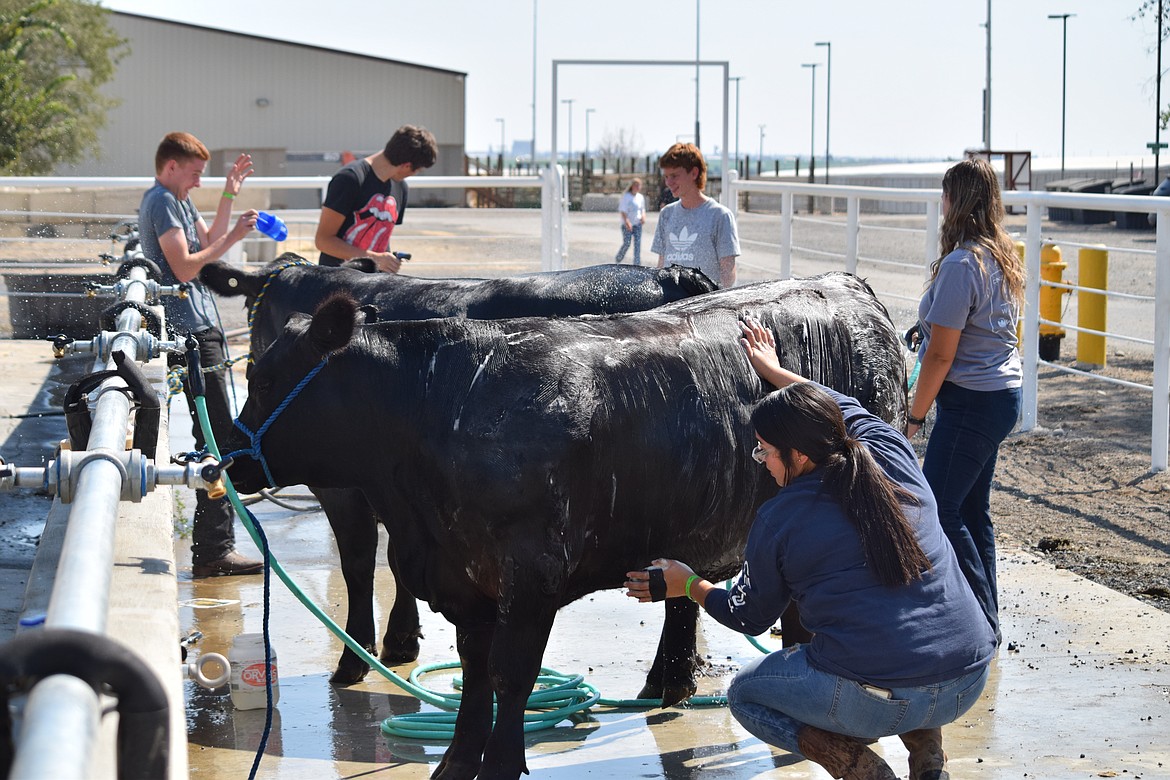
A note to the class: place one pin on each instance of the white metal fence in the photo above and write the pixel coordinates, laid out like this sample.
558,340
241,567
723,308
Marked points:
1153,326
895,277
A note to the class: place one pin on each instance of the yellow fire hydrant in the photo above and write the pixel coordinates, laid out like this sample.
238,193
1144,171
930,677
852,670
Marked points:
1051,302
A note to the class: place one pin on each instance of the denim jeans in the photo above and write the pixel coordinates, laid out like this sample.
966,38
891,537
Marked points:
635,234
959,465
212,533
776,695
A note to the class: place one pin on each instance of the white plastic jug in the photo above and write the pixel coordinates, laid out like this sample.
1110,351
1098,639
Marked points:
247,683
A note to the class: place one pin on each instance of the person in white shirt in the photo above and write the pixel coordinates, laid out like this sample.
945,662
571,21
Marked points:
633,213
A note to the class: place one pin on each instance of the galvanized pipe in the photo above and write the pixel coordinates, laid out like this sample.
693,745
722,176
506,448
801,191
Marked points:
60,727
62,705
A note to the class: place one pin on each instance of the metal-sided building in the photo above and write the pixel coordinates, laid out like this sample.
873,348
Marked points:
297,109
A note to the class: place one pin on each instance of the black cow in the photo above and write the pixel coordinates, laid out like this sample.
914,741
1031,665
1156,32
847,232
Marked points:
290,285
529,462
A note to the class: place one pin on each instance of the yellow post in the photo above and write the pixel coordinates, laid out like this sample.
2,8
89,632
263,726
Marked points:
1093,272
1051,298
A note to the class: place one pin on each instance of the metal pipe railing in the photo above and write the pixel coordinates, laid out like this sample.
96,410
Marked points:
62,705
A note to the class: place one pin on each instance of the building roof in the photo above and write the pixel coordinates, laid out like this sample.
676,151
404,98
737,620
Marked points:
297,44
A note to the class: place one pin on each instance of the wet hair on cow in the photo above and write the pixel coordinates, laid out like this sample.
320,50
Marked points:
804,418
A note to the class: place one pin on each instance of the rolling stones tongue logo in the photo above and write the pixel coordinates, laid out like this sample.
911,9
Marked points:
373,224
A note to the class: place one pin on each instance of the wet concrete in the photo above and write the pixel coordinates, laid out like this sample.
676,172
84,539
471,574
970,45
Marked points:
1081,687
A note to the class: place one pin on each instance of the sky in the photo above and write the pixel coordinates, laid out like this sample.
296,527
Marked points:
906,76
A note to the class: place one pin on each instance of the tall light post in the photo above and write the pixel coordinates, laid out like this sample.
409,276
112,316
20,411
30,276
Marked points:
500,119
570,101
588,111
987,88
736,79
1064,80
697,73
760,160
828,99
533,83
812,141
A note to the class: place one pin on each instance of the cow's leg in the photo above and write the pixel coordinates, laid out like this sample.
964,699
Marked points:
355,528
528,605
403,629
672,675
474,722
792,631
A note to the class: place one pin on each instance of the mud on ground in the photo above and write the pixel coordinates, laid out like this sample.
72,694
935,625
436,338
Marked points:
1078,490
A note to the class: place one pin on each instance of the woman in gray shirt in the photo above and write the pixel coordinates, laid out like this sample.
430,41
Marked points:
970,367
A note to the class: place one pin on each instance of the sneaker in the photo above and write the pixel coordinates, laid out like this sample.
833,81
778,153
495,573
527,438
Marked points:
229,565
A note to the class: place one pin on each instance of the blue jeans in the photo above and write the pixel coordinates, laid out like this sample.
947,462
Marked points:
776,695
634,234
959,465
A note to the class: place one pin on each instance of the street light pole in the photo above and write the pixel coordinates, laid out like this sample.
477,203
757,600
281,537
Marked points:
812,141
736,79
501,121
697,73
760,160
588,111
828,99
534,83
987,88
1064,80
570,101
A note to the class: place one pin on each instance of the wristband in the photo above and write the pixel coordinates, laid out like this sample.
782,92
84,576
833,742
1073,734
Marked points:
690,581
915,420
228,195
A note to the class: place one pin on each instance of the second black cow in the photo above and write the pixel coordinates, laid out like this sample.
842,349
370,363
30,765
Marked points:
291,284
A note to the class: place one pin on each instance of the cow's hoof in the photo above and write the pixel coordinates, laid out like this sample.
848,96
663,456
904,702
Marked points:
343,677
670,695
350,669
400,648
455,770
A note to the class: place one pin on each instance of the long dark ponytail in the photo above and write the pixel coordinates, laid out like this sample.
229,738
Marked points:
803,418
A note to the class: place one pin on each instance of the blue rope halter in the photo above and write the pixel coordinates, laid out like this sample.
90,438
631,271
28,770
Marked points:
267,282
254,439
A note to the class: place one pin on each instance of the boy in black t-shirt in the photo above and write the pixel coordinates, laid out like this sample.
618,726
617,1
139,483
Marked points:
367,198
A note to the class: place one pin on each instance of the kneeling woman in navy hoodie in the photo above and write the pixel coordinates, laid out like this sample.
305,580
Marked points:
899,642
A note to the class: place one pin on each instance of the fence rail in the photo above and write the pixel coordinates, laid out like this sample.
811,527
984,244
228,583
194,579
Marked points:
554,249
1035,205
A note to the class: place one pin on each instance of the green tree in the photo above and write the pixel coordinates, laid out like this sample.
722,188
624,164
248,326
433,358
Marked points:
54,57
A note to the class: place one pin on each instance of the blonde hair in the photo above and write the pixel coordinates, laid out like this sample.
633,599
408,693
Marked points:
974,219
634,181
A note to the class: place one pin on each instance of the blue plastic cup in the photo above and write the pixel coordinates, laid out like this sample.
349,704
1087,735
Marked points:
272,226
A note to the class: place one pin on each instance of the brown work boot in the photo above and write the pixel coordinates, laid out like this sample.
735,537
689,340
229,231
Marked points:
927,759
231,564
842,756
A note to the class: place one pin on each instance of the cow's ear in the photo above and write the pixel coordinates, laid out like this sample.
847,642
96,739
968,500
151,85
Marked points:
333,324
367,315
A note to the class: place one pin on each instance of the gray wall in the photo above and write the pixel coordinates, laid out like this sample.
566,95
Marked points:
317,103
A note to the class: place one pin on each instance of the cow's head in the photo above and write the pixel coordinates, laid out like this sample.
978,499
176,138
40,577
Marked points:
291,414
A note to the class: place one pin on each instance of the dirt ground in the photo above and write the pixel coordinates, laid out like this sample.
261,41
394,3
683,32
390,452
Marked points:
1078,490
